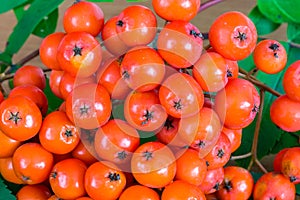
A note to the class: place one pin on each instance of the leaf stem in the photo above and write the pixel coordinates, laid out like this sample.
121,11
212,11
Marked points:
208,4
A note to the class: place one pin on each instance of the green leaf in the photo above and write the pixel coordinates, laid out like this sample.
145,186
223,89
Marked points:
46,26
19,10
256,175
118,110
285,141
5,193
263,24
26,25
290,9
271,11
298,189
5,61
280,11
10,4
293,32
247,64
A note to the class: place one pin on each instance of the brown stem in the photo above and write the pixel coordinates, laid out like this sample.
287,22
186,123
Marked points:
258,83
208,4
27,58
207,47
261,166
6,74
256,132
252,72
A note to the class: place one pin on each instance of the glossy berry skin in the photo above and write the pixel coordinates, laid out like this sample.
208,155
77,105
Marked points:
179,190
8,145
54,81
83,16
235,137
33,93
180,44
83,153
172,10
38,163
201,130
89,106
291,81
143,111
210,71
79,53
115,141
21,118
60,137
139,192
68,82
34,192
190,167
110,77
8,172
237,111
181,95
238,184
212,181
284,112
169,131
48,50
290,164
136,25
232,69
103,180
219,154
142,68
273,185
30,74
153,164
233,35
278,159
111,39
67,178
269,56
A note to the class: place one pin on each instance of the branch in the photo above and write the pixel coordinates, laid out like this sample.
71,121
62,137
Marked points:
27,58
239,157
256,134
7,72
258,83
208,4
